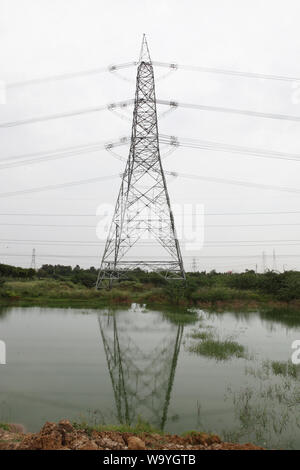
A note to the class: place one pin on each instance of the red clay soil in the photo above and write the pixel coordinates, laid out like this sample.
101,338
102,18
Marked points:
63,436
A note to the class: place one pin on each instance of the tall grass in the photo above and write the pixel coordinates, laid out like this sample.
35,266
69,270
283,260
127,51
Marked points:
214,294
126,292
217,349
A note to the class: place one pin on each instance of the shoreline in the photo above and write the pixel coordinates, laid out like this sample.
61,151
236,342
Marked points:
218,305
67,436
215,295
52,292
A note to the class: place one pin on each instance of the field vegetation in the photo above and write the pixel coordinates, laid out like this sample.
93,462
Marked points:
66,284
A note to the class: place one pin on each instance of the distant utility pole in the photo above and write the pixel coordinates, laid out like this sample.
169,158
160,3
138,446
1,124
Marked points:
33,260
274,261
264,262
143,206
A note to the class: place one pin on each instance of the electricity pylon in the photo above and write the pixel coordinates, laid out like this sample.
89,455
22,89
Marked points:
274,261
194,265
33,260
264,262
143,209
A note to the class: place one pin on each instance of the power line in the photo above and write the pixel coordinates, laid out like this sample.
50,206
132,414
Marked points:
244,256
70,151
172,66
229,265
236,73
78,112
123,104
252,213
204,225
58,186
254,241
235,182
144,242
67,76
65,152
95,215
171,173
222,147
70,243
96,257
223,109
252,225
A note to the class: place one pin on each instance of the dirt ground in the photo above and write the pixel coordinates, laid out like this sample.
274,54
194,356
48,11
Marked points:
64,436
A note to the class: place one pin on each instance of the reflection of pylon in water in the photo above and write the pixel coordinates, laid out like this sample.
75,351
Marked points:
142,382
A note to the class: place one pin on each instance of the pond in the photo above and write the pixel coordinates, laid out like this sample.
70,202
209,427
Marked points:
228,373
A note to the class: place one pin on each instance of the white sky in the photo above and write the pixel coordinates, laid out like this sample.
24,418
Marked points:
40,38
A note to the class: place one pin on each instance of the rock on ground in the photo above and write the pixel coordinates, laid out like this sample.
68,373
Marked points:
64,436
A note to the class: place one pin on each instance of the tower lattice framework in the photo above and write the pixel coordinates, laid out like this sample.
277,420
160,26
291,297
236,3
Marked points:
143,207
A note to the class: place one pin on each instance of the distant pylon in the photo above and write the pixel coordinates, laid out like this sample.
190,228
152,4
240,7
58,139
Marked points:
194,265
274,261
264,265
143,209
33,260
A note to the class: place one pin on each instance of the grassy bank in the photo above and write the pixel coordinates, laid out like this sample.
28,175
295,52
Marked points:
64,285
66,293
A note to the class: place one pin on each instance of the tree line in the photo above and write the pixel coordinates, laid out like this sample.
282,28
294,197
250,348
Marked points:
284,286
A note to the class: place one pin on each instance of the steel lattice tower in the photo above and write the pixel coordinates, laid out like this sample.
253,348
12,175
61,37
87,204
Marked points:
33,260
143,205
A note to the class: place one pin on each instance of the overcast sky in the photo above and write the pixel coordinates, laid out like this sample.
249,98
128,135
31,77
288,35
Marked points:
41,38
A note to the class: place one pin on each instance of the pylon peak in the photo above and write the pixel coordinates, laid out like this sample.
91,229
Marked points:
144,54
